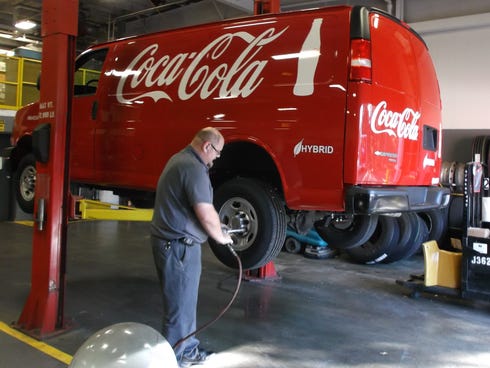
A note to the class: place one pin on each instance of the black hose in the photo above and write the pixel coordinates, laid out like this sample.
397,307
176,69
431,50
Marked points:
223,311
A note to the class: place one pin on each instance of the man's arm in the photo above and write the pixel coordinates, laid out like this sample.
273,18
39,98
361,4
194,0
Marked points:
209,219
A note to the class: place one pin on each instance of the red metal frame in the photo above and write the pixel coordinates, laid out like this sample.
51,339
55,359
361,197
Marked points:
43,312
267,6
266,272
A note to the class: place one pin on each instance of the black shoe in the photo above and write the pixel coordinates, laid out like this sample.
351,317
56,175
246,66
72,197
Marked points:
198,358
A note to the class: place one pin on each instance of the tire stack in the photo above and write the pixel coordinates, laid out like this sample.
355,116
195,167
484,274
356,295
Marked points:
394,237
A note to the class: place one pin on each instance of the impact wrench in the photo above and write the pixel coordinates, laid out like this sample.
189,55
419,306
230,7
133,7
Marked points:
237,288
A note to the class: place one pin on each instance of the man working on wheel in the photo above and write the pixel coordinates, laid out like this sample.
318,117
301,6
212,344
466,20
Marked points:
183,218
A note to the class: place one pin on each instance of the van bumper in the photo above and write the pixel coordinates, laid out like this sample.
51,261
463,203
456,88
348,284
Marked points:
378,200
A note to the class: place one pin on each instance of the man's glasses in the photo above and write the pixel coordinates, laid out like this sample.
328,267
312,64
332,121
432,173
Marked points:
218,152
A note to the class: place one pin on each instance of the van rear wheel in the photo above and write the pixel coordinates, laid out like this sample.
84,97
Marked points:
257,208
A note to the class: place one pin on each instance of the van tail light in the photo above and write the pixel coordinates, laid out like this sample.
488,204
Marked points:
360,60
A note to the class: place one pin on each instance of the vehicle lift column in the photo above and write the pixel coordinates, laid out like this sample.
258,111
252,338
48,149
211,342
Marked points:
43,312
268,271
267,6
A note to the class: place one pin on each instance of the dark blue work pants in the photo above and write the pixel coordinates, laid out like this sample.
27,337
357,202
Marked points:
179,270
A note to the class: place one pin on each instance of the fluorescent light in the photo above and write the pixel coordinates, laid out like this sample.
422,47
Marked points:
5,35
25,24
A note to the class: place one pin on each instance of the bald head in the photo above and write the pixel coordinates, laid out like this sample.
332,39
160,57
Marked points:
209,134
208,143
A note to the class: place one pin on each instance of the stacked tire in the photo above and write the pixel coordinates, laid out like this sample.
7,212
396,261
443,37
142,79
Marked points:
389,238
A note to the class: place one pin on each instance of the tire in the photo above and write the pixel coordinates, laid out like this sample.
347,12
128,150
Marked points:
410,242
25,183
422,235
436,221
353,232
456,212
375,250
292,245
257,207
409,227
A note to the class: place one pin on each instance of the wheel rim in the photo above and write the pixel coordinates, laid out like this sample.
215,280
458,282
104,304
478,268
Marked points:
238,213
27,183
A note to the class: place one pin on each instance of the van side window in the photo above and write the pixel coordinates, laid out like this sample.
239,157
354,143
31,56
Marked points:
87,72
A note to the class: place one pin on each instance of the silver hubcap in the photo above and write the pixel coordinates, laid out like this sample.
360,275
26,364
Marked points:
28,183
238,213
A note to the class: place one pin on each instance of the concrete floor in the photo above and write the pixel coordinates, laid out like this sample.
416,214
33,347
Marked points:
321,313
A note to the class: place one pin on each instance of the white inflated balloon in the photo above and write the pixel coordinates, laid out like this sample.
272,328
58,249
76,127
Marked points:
126,345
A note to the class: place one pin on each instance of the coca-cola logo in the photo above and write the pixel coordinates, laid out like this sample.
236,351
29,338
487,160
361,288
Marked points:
198,73
397,124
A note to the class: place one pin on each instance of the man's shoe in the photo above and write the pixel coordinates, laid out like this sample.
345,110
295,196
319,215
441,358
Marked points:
198,358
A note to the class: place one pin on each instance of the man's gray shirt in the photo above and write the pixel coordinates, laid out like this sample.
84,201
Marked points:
183,183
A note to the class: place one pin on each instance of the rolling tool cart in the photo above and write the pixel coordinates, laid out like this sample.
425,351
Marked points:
463,274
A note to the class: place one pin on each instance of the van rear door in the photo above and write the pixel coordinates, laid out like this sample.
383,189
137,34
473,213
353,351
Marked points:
396,108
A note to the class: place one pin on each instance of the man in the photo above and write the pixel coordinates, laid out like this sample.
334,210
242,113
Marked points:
183,219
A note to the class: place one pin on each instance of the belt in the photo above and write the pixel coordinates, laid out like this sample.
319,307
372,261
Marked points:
183,240
187,241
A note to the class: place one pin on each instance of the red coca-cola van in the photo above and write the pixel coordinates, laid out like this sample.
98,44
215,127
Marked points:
332,119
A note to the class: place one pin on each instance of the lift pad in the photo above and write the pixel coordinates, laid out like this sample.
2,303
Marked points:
95,210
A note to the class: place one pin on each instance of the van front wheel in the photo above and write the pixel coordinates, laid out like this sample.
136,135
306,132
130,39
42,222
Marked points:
25,183
256,208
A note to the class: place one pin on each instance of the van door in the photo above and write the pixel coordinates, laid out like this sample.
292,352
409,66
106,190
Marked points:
84,113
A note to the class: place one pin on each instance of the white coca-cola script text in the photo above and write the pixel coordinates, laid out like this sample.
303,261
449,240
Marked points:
397,124
198,73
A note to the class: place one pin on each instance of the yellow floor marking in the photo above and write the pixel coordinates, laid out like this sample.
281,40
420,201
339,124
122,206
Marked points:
26,222
36,344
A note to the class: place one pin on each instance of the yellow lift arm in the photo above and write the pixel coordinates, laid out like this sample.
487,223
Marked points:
95,210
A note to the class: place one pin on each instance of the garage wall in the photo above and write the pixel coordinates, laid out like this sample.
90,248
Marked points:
459,48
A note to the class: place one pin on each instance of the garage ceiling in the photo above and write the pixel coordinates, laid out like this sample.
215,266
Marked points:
100,20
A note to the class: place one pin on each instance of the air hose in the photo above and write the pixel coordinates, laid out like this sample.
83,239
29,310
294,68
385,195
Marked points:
223,311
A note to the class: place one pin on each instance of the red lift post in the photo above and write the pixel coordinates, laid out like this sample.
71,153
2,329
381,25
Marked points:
43,312
267,6
268,271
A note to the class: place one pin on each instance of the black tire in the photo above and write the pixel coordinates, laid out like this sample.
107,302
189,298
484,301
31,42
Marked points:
422,235
351,233
409,227
412,235
292,245
456,212
25,183
257,207
436,221
376,249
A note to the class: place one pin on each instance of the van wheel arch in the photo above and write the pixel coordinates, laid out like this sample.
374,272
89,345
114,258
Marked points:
245,159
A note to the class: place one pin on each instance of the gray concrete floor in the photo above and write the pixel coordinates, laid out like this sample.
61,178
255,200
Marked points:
321,313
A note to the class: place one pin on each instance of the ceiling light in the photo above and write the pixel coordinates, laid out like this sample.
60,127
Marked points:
25,24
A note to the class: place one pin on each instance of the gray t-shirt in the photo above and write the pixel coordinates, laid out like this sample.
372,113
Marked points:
183,183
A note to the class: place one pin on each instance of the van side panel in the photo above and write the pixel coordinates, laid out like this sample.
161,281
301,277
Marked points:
394,122
241,77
